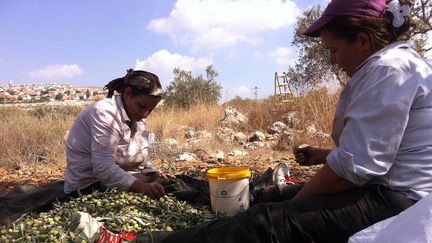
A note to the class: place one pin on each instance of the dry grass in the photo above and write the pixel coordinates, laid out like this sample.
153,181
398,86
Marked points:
167,122
35,137
29,137
318,108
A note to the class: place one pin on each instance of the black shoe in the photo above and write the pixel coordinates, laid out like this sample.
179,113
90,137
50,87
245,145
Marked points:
261,181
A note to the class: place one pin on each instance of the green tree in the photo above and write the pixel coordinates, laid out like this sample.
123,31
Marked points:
312,66
422,15
186,90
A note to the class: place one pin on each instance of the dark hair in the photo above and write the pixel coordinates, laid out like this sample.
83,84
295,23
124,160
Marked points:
141,82
380,30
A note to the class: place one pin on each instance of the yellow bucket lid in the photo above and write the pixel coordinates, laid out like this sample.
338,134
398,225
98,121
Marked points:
228,173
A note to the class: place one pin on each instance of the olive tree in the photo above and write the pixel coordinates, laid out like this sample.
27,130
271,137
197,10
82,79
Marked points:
312,66
422,15
186,90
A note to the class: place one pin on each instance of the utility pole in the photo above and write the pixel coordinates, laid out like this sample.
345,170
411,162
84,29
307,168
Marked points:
256,92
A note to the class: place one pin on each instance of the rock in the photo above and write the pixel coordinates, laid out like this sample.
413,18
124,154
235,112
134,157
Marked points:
291,119
311,129
233,118
257,136
237,153
186,157
218,156
313,132
255,144
225,133
152,138
276,127
322,136
204,134
190,134
272,137
171,141
239,136
285,141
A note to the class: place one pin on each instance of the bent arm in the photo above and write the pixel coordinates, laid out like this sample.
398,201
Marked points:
324,182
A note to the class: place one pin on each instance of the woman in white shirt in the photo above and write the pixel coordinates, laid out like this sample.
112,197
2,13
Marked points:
110,138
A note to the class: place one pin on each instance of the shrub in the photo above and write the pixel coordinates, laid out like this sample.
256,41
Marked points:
186,91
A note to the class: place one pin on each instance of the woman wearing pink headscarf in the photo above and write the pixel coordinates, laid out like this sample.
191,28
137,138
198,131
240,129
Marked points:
381,163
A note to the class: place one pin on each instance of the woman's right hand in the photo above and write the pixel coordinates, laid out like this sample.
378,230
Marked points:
310,155
151,189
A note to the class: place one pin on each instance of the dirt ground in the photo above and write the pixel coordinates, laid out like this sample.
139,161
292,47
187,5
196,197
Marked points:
257,161
38,175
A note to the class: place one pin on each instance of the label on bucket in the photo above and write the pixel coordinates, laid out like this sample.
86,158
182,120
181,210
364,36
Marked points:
229,197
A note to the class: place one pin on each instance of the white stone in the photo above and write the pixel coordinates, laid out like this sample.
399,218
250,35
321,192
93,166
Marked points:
239,136
171,141
291,119
190,134
218,155
233,118
237,153
186,157
257,136
311,129
276,127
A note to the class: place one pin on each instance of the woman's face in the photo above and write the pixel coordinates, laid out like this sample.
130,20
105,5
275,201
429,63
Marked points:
138,106
348,55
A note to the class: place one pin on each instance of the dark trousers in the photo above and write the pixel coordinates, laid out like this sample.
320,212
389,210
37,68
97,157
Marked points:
322,218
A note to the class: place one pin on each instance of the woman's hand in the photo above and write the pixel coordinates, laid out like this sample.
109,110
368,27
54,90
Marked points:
151,189
310,155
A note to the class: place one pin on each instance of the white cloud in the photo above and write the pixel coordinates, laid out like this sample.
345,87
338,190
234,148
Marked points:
230,93
257,54
162,63
56,71
213,24
242,91
283,56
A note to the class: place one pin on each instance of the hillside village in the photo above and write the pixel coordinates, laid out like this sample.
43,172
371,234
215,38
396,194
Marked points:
34,93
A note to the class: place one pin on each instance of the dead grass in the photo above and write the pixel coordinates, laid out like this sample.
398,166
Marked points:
34,138
31,137
317,107
168,122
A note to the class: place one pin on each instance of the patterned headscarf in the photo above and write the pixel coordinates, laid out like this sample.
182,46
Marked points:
141,82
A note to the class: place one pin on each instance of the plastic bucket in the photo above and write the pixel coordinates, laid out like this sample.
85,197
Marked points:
229,189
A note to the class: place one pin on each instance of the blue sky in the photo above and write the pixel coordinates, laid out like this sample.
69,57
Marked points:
90,42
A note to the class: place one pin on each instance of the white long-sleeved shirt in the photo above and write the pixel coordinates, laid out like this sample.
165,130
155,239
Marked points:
102,147
383,123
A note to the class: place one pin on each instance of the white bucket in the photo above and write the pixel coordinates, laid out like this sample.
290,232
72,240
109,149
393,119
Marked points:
229,189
